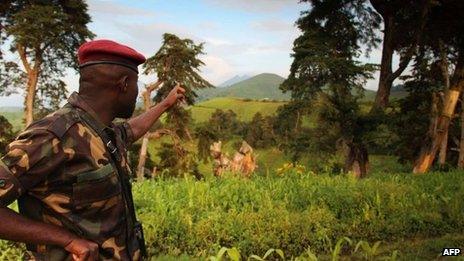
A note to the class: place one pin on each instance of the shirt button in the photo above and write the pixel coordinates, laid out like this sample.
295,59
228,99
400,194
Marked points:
2,183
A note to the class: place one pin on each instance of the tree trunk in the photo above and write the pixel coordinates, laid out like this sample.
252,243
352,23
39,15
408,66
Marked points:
146,95
385,83
461,142
189,135
443,148
142,158
357,160
32,80
387,76
429,150
446,82
433,115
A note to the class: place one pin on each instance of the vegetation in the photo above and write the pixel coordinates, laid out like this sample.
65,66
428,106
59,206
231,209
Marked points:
334,160
299,210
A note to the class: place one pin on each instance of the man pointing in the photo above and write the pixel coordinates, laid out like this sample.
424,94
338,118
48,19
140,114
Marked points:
69,170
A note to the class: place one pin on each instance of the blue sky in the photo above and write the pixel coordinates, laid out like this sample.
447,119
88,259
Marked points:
239,36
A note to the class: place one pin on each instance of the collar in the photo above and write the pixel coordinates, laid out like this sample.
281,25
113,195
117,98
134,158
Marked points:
77,101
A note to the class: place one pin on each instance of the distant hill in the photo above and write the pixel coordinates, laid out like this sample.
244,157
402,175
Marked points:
261,86
234,80
397,92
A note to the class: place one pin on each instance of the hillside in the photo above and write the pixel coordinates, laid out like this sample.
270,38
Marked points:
244,109
234,80
261,86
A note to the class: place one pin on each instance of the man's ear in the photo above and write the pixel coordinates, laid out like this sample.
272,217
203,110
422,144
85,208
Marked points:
123,83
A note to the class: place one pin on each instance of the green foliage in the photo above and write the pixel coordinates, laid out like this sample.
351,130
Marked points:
296,211
177,62
11,77
6,134
206,136
178,120
225,124
259,132
176,160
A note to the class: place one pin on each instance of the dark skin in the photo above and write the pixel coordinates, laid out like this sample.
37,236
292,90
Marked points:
118,85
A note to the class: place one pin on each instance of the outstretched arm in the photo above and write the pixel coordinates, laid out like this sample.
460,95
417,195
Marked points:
142,123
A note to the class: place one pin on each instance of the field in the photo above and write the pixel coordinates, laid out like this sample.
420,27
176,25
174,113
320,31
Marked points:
291,211
245,109
303,214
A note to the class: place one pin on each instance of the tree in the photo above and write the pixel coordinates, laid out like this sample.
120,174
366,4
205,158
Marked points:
325,69
260,132
6,134
437,35
403,27
176,62
206,136
225,124
44,35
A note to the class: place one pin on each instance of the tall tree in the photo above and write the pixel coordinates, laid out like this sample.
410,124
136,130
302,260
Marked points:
176,62
325,65
44,35
446,13
403,27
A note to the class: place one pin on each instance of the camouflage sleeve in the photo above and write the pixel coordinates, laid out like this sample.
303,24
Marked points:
27,162
126,132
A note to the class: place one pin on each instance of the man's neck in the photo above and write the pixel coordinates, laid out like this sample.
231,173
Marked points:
101,109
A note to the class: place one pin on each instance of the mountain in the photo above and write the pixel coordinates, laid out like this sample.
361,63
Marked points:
261,86
234,80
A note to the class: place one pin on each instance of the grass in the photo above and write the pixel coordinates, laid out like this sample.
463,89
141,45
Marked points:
245,109
295,211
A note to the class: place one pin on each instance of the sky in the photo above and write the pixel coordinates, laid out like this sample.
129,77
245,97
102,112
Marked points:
240,36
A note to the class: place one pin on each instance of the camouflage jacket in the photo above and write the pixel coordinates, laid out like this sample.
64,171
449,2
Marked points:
60,172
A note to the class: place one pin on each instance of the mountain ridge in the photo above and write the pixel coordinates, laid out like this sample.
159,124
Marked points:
261,86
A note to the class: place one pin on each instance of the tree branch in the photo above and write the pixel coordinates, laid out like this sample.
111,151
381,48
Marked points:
22,55
404,60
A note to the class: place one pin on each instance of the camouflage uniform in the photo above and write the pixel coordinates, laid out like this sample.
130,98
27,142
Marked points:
61,173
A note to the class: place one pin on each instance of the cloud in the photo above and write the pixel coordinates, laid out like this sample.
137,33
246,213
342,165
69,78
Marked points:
273,25
261,6
115,9
216,69
147,38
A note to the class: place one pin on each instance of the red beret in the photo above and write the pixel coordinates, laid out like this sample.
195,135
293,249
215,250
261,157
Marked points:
108,52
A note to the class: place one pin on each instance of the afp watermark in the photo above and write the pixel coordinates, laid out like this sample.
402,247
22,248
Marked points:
451,251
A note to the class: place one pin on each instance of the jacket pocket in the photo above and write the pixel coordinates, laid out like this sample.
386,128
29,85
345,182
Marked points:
96,185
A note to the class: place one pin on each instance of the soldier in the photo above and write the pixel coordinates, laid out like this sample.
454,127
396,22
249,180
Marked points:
69,170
